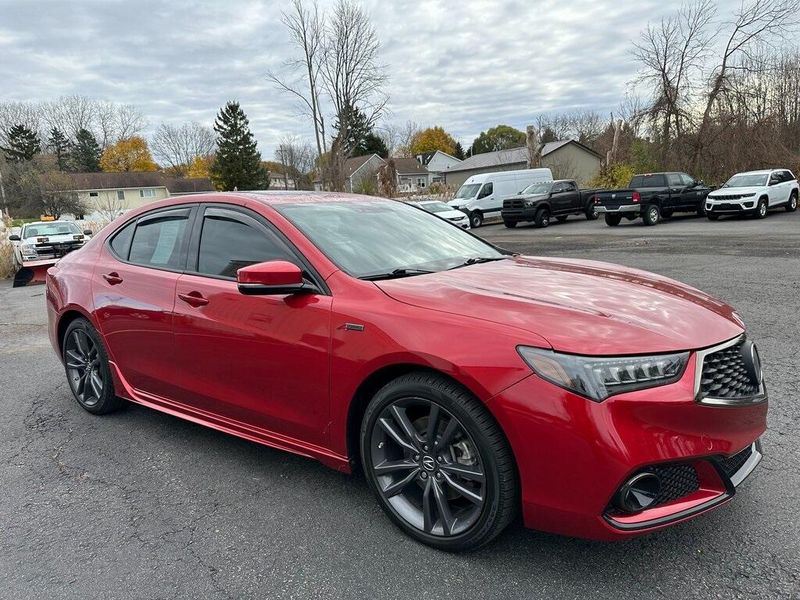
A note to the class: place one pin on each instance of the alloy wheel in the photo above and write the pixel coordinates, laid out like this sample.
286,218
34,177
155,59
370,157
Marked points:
84,369
427,467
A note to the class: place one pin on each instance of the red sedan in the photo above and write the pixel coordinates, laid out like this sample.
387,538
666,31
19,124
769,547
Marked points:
468,383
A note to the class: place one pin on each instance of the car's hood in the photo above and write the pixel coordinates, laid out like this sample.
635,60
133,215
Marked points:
451,214
578,306
527,197
460,201
737,191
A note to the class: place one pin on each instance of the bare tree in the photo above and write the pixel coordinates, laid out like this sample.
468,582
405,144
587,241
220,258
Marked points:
398,138
534,148
178,145
28,114
306,32
296,159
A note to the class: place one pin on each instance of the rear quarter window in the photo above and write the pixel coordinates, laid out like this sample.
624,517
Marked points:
649,181
121,241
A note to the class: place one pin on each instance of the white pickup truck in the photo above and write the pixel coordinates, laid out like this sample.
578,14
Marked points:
755,193
39,245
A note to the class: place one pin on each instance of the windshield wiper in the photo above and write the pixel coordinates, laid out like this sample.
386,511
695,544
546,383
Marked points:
474,260
396,274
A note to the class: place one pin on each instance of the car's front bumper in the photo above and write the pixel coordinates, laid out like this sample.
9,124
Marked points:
730,206
574,455
622,208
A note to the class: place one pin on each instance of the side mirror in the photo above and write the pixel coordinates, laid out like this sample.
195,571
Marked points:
14,238
271,278
88,232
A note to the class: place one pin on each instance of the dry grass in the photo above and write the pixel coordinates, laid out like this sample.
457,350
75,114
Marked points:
6,256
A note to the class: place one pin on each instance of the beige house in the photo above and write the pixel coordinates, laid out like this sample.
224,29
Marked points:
567,159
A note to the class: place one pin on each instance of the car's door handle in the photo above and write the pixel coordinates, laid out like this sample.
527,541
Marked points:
112,278
194,299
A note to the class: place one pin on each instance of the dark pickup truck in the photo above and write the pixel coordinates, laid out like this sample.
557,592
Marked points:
540,202
652,196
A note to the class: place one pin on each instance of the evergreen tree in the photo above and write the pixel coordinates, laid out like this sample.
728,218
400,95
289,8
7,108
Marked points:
459,151
59,144
85,153
23,144
238,162
353,132
371,144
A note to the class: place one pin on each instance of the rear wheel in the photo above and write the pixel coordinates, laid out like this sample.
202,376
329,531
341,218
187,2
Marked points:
437,462
88,373
652,215
476,218
613,220
510,224
762,209
591,212
791,206
542,218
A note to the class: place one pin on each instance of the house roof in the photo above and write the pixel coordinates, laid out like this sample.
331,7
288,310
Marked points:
426,157
511,156
351,165
409,166
143,179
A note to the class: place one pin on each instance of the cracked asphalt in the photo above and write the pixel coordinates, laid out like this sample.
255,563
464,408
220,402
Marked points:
143,505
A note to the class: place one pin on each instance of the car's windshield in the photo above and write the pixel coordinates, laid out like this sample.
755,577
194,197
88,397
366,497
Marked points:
55,228
468,191
367,238
537,188
436,207
745,180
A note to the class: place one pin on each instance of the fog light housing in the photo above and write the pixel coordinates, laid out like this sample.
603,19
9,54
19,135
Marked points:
638,493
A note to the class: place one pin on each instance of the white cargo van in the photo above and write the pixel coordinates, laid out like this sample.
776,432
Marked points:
482,195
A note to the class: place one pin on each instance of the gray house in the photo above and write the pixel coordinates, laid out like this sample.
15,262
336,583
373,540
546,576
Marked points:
567,159
361,168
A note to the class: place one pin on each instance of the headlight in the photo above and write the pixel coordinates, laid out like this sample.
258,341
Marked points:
748,195
28,249
598,377
529,203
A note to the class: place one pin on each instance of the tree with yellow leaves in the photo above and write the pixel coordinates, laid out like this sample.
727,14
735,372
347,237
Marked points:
431,140
200,166
128,154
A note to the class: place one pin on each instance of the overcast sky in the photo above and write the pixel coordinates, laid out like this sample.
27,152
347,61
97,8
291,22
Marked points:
465,65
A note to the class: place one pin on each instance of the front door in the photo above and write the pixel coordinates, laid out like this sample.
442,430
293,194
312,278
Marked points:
260,360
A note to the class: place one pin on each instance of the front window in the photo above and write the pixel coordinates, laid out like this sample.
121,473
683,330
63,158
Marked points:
745,180
537,188
468,191
45,229
371,238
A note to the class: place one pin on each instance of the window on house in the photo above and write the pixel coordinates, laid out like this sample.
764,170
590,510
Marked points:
120,194
151,193
420,182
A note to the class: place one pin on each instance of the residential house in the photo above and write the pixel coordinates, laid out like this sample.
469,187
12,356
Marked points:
412,176
437,164
361,173
568,159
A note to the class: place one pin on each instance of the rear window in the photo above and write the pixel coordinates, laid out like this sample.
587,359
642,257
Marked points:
158,241
649,181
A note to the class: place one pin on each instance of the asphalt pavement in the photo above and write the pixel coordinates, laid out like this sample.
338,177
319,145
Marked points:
142,505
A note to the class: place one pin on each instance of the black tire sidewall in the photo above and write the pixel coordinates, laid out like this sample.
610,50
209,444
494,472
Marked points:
474,216
109,401
542,218
648,218
403,388
613,220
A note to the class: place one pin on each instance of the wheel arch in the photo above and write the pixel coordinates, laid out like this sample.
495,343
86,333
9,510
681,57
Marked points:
67,317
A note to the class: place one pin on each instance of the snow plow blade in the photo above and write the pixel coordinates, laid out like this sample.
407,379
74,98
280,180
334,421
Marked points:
32,274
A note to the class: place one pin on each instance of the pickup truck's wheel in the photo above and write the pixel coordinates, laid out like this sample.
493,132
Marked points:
88,373
476,218
438,463
561,219
613,220
542,218
510,224
791,206
712,216
762,209
652,215
591,212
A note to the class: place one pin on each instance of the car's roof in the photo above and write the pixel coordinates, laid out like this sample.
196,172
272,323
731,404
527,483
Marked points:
760,172
284,197
46,223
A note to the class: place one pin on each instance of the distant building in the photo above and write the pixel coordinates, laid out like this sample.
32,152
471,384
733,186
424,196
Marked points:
412,176
437,163
360,168
567,159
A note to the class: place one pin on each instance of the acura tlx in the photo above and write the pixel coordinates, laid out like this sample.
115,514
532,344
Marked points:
467,383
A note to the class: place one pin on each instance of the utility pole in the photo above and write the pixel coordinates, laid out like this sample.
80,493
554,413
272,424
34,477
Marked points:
3,197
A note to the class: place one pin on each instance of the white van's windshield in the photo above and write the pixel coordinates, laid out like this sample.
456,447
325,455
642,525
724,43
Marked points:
468,191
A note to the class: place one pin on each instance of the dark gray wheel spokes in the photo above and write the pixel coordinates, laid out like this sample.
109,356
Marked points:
427,467
83,367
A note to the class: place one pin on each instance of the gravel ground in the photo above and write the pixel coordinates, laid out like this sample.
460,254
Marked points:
143,505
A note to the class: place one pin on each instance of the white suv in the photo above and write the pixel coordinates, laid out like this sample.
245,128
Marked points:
754,192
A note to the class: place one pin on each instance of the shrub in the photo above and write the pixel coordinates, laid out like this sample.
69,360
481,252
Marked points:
6,255
615,176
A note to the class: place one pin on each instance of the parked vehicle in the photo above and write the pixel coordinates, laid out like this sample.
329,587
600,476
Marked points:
754,193
467,382
444,211
39,245
652,196
540,202
482,195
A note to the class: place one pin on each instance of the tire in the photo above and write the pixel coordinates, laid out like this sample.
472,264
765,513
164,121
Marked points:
762,209
612,220
474,475
652,215
475,219
510,224
561,219
701,212
712,217
86,366
542,218
591,213
791,206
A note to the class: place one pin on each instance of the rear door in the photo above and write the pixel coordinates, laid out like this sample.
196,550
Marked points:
260,360
778,189
561,198
134,292
675,199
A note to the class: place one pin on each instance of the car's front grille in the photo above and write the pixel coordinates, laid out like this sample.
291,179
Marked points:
677,481
513,203
726,375
732,464
728,197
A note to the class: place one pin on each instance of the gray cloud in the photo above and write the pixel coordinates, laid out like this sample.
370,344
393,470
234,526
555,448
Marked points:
465,65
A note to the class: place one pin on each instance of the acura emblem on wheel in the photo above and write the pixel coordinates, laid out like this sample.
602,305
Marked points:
428,463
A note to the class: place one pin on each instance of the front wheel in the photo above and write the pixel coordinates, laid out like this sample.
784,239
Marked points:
476,219
591,212
613,220
438,463
762,209
542,218
652,215
791,206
